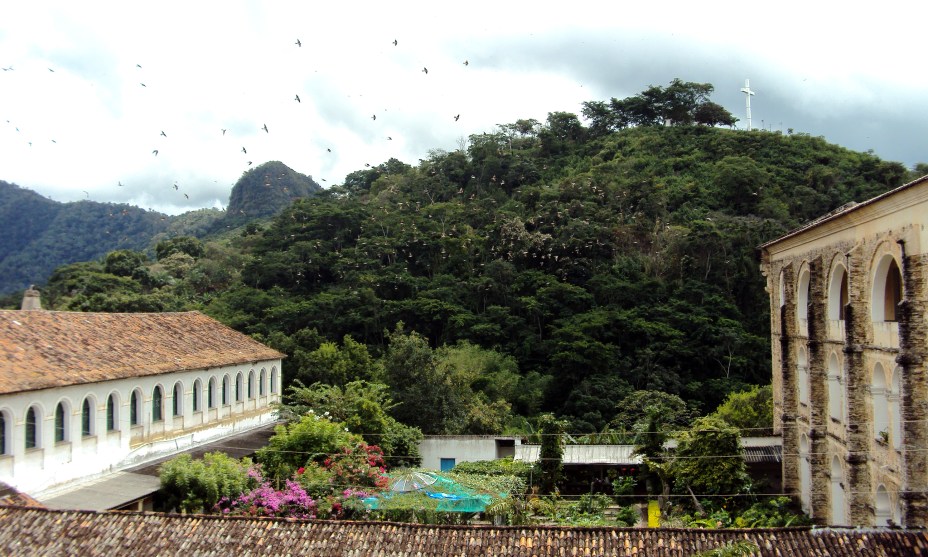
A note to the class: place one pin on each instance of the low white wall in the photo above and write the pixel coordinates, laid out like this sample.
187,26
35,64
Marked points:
462,448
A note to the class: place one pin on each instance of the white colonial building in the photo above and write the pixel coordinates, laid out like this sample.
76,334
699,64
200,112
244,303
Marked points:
85,394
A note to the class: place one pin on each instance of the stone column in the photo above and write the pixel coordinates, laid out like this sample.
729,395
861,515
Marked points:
788,329
913,336
820,498
859,422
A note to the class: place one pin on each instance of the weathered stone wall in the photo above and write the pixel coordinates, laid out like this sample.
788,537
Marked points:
913,340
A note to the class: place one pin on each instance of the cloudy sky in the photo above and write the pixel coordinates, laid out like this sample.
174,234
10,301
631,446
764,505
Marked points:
89,87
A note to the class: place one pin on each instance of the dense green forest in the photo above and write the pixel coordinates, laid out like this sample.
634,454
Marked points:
546,266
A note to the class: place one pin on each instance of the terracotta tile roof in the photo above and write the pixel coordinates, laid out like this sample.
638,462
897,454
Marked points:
25,531
10,496
43,349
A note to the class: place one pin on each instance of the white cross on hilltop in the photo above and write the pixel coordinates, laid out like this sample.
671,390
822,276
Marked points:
747,94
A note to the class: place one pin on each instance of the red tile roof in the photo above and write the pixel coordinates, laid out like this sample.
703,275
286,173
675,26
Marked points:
25,531
43,349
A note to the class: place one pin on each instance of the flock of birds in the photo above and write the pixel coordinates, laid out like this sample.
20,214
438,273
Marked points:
160,149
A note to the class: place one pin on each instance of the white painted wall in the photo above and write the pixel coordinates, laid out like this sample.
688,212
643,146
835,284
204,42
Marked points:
46,467
462,448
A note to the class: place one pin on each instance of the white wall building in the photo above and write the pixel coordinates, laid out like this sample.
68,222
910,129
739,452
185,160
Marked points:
84,394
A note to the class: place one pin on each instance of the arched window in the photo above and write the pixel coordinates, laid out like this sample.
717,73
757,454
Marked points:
781,291
157,402
802,296
802,376
238,388
225,390
251,384
835,389
805,474
135,408
197,387
878,392
262,379
838,505
33,433
887,290
177,400
211,393
273,380
895,415
86,418
61,424
4,433
112,416
837,294
884,507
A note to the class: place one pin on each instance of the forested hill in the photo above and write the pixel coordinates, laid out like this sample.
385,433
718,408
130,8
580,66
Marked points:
580,263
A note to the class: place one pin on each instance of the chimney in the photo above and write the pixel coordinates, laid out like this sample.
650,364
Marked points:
31,300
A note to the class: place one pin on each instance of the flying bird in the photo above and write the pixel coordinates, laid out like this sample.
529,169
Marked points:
51,70
329,150
86,193
223,131
374,117
395,42
425,71
297,98
143,85
265,128
457,117
164,134
389,138
155,152
298,43
466,63
187,196
249,163
8,69
138,65
244,151
175,185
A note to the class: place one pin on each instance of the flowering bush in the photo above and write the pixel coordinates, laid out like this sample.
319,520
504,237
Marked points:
290,502
358,466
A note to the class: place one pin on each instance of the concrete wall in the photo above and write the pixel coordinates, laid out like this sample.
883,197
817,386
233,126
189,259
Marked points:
51,464
462,448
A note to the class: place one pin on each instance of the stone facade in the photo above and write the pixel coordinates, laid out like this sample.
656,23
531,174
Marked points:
849,337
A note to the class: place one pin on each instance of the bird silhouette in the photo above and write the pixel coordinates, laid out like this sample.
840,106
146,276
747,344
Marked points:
87,193
51,70
9,69
121,184
265,128
155,152
374,117
143,85
138,65
466,63
329,150
187,196
298,43
244,151
395,42
297,98
164,134
389,138
425,71
223,131
175,185
249,163
457,117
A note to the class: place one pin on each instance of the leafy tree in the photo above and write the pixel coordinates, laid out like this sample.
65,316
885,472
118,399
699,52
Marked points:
123,263
551,453
196,486
181,244
749,411
709,459
711,114
312,439
638,407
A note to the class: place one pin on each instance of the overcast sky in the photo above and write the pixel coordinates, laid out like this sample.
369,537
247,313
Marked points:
76,120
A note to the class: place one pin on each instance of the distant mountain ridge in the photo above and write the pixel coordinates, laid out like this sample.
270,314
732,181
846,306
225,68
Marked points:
39,234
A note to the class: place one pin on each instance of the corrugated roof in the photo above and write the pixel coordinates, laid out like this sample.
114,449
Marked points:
585,454
26,531
43,349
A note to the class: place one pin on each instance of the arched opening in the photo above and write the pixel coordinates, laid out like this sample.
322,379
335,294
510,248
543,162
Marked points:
61,424
112,413
87,418
802,297
805,474
273,380
838,496
135,408
197,387
262,379
781,291
157,404
238,387
177,400
878,392
837,293
211,393
895,414
835,389
5,433
225,390
802,376
251,384
883,506
33,428
887,290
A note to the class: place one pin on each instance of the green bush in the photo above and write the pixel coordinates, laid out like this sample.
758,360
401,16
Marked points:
195,486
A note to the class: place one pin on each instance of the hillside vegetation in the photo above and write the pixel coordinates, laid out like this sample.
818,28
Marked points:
545,267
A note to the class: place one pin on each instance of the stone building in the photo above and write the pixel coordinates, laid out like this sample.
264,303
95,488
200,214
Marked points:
86,394
849,336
